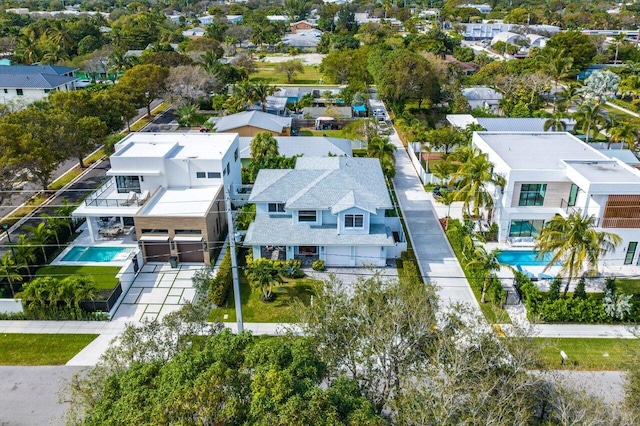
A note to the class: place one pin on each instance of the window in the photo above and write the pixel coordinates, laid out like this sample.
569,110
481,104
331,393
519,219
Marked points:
525,228
307,216
19,92
278,208
47,90
354,221
228,169
573,194
631,251
532,194
188,231
155,231
201,175
213,175
128,183
235,155
6,90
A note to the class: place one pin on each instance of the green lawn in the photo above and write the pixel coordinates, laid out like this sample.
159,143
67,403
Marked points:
41,349
327,133
267,72
105,276
280,310
628,286
587,354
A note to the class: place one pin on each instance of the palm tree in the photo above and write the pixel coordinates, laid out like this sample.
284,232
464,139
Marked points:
575,243
59,35
185,114
447,198
556,122
630,86
243,92
570,95
10,271
261,90
488,263
54,224
622,131
65,211
471,179
588,116
84,288
383,150
557,65
24,253
39,236
262,275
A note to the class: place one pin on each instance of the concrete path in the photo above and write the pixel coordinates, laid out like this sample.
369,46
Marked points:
435,256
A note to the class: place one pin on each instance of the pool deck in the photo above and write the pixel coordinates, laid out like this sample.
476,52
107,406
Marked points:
84,240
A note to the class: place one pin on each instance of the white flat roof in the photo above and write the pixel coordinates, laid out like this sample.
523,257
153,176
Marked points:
181,202
175,145
538,151
609,171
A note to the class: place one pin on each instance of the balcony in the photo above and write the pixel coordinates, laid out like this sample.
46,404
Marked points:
108,197
564,205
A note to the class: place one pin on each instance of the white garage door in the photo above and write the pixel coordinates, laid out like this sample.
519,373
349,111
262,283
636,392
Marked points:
369,256
338,256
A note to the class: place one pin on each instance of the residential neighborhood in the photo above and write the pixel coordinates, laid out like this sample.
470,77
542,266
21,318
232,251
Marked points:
319,212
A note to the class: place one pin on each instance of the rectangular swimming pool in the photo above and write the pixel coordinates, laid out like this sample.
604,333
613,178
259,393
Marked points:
523,258
97,254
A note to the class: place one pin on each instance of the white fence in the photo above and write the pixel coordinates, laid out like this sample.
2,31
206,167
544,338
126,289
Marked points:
11,306
414,149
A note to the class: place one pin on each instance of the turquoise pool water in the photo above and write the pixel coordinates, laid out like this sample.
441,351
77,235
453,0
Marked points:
523,258
97,254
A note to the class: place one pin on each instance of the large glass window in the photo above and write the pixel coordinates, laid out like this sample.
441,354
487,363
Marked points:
525,228
532,194
353,221
128,183
276,208
307,216
573,194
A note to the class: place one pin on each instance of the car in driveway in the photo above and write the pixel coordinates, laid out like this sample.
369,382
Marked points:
384,128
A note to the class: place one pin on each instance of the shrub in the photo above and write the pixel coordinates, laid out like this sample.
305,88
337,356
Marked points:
221,283
580,292
318,265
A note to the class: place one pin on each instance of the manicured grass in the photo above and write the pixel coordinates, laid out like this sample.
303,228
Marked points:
41,349
279,310
267,72
76,171
586,353
29,207
105,276
327,133
628,286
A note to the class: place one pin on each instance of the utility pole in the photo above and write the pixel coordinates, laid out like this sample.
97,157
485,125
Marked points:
234,262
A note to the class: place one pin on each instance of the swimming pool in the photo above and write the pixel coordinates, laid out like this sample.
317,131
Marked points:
97,254
523,258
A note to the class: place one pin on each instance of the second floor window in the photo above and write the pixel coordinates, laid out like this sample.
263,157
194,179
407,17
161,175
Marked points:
307,216
532,194
128,183
353,221
277,208
19,92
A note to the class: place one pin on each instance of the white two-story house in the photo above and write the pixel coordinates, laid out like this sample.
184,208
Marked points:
549,173
329,208
166,190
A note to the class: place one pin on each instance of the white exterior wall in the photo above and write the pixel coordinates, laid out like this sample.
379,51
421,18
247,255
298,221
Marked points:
29,95
628,235
353,231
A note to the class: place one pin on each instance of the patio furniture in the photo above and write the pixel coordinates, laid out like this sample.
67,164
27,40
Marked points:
110,232
143,197
131,198
545,276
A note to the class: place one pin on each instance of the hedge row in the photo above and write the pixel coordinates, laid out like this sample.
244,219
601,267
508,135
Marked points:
221,283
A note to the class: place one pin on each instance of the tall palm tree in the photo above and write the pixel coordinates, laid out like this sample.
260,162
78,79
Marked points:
557,65
262,275
588,117
64,211
261,90
39,236
623,131
574,242
54,223
10,271
447,198
630,86
383,150
569,95
471,181
185,114
59,34
488,263
243,91
24,253
556,122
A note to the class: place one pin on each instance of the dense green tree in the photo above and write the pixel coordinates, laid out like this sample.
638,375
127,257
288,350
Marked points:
144,83
488,263
10,271
578,46
347,67
471,180
290,68
384,150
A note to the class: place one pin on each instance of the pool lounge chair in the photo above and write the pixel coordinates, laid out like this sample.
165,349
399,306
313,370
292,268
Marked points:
543,276
143,197
131,198
527,273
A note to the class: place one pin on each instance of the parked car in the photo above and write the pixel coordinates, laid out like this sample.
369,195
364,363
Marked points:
384,129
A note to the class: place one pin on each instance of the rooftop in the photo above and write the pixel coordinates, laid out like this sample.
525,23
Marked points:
481,93
310,146
606,171
34,80
181,202
325,183
175,145
258,119
36,69
537,150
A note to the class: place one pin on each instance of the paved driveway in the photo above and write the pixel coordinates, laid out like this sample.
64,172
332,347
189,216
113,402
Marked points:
157,290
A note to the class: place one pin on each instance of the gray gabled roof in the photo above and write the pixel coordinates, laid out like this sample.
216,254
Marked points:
309,146
481,93
321,183
34,81
266,230
259,119
36,69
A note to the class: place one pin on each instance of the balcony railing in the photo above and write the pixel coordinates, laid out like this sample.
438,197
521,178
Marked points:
619,222
101,190
564,205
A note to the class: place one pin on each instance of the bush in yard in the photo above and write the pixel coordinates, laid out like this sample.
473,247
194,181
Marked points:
581,289
318,265
221,283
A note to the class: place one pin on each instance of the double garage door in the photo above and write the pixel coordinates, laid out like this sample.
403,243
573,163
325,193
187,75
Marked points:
354,256
156,251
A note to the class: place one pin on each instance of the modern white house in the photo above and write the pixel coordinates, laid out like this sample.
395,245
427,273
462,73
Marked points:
554,173
24,84
329,208
166,190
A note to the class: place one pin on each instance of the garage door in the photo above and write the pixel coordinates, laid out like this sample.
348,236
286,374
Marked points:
338,256
156,251
190,252
369,256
